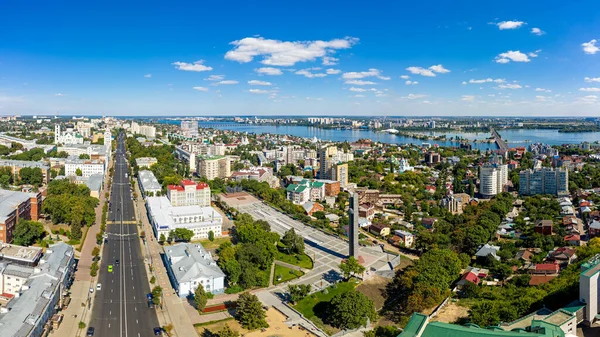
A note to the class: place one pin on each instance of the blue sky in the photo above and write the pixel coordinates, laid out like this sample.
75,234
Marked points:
477,58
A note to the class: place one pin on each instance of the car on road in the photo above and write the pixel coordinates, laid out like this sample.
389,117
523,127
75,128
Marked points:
90,331
116,262
157,331
91,289
150,304
110,268
99,286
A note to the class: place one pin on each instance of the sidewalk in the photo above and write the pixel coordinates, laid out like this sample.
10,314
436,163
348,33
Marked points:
80,294
174,308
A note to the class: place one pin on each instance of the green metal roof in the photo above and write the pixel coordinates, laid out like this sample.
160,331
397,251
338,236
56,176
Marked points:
295,188
418,323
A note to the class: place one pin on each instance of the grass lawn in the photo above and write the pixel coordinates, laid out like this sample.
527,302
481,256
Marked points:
309,306
211,245
302,261
285,273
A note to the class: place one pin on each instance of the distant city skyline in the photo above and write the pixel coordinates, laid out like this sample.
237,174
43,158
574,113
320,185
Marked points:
519,59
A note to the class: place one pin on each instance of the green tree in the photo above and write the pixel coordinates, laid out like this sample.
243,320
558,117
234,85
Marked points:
27,232
200,298
293,242
351,310
78,172
383,331
351,266
182,234
84,156
156,295
162,238
250,313
298,291
32,176
485,313
96,251
211,236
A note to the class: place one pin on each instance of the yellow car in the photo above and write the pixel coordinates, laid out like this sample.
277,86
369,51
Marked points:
110,268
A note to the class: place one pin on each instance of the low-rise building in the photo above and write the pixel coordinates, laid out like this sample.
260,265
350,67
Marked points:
311,207
148,183
407,238
15,206
164,218
41,291
190,266
380,229
145,162
543,227
189,193
87,167
17,165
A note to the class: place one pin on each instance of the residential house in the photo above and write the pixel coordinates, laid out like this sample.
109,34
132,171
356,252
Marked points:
488,249
562,255
573,239
594,228
366,210
428,222
545,269
311,207
407,238
379,230
543,227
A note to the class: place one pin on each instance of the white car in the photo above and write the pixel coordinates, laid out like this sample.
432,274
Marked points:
99,286
91,289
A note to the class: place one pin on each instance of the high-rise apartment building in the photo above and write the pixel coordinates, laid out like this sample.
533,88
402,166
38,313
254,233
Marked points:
492,178
327,158
189,128
544,181
340,173
213,167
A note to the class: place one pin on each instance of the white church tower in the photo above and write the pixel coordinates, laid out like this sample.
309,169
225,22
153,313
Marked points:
56,133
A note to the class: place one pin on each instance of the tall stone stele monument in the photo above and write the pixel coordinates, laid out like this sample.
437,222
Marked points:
353,230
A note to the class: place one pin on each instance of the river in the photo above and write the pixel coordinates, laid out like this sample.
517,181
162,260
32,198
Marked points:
516,137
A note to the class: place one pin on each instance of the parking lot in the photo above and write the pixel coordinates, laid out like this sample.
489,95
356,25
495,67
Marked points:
327,251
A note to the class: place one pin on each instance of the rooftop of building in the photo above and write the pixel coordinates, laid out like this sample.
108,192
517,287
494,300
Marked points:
192,261
420,326
149,181
163,212
25,311
11,199
199,186
19,253
94,181
23,163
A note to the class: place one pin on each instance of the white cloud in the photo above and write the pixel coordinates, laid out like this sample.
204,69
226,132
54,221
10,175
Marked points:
486,80
439,69
371,73
196,66
332,71
535,53
543,90
284,53
415,96
510,24
256,82
588,99
409,82
590,47
268,71
330,61
509,86
200,88
421,71
590,89
537,31
226,82
430,72
515,56
258,91
307,73
59,94
357,89
592,79
215,78
463,82
469,98
360,82
404,77
148,75
358,96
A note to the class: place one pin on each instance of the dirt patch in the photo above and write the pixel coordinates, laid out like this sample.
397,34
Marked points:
452,312
277,327
374,288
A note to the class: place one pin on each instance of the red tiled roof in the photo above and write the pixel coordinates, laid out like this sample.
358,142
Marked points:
547,266
175,188
540,279
471,277
573,237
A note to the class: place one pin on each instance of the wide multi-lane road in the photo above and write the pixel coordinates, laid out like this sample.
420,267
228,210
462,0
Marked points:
120,307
